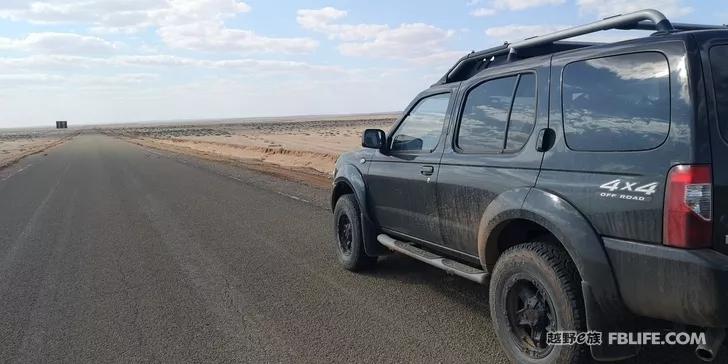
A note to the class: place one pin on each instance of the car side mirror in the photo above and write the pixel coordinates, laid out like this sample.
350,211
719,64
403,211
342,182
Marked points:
374,138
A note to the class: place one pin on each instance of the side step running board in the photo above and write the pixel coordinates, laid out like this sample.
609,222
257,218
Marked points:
450,266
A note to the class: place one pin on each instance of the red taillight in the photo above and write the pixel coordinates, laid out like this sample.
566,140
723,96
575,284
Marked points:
689,207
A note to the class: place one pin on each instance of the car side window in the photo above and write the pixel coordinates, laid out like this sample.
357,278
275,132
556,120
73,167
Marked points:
422,128
497,119
617,103
523,113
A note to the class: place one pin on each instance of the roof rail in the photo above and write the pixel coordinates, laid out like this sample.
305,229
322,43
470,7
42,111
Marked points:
648,19
648,25
661,24
474,62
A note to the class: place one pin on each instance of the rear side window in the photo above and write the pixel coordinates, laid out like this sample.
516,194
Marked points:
493,120
719,68
421,129
523,113
619,103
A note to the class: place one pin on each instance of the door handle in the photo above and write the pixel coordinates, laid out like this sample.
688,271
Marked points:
427,170
546,139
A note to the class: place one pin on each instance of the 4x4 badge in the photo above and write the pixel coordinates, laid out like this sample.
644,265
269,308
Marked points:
625,190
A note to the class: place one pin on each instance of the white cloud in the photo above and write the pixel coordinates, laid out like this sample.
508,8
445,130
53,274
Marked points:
516,32
483,12
444,58
671,8
167,63
417,42
199,25
134,14
49,62
279,67
25,78
319,19
524,4
58,43
185,24
214,36
495,6
160,60
322,21
47,80
406,41
121,12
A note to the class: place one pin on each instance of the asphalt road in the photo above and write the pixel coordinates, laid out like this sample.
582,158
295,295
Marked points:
110,252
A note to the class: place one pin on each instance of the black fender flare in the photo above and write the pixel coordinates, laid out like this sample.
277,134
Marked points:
505,207
353,179
605,309
351,176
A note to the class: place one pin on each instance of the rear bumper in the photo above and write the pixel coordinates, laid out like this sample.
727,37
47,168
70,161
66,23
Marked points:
684,286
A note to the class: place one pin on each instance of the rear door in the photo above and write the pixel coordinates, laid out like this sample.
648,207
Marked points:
715,57
401,183
623,116
491,147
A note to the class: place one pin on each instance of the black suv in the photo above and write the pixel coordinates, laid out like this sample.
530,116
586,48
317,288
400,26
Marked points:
586,183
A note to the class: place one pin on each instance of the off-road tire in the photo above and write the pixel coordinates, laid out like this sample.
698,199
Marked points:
550,270
354,258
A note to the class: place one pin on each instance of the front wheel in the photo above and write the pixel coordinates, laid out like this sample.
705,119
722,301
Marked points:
348,230
534,291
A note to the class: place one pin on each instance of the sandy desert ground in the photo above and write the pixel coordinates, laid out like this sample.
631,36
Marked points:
16,144
311,144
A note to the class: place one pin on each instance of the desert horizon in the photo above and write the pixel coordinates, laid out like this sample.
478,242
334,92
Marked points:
307,145
206,120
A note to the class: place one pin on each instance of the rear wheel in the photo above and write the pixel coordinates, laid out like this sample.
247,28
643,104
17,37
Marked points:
348,230
535,290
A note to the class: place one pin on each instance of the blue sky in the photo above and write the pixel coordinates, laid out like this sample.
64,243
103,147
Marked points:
100,61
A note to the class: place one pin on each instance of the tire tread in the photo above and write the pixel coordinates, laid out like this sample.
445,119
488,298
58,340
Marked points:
359,259
566,274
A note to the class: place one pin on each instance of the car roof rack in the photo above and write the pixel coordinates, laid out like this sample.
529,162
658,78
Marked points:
647,25
648,19
474,62
624,21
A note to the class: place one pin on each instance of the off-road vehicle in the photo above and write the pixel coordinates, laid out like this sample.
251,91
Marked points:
586,183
